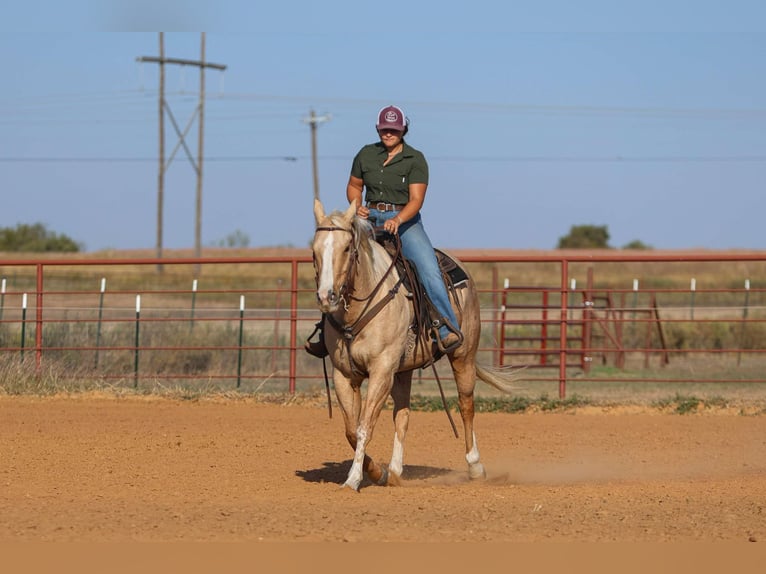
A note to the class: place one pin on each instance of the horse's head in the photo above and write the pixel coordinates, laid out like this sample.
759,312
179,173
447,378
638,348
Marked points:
335,248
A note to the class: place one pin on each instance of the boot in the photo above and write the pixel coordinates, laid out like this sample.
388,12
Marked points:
317,348
449,343
446,345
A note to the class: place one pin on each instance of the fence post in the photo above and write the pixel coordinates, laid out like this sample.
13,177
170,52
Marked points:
193,303
544,329
501,325
135,357
2,298
635,300
744,320
39,319
497,327
563,330
100,316
276,326
293,324
572,297
693,289
241,335
23,323
587,326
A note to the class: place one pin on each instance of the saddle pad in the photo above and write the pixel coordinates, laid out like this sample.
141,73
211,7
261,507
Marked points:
449,267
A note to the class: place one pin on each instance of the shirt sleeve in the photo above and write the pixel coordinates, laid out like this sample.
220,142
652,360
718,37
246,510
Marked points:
419,171
356,166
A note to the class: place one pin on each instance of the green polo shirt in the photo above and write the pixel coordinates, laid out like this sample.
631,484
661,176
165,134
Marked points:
389,183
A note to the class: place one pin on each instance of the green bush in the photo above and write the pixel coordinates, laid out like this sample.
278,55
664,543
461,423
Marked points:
35,238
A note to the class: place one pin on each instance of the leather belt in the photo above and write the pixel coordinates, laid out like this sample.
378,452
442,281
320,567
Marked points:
381,206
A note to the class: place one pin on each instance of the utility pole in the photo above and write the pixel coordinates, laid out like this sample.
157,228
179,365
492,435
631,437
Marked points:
313,120
196,164
201,124
161,172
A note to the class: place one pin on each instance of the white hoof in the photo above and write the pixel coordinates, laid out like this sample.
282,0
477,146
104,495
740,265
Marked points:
476,471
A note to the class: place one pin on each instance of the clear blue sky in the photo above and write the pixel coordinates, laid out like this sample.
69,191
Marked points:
647,117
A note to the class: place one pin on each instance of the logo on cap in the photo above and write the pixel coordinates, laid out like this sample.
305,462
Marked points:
391,116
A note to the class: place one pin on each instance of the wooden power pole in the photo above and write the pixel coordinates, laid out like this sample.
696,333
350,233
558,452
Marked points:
196,164
313,120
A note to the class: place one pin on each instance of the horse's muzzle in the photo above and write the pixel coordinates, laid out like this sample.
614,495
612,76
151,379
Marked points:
328,300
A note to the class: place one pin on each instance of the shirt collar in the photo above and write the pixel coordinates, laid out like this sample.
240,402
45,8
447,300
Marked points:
406,149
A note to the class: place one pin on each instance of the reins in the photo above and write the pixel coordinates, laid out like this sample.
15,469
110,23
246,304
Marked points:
349,332
367,314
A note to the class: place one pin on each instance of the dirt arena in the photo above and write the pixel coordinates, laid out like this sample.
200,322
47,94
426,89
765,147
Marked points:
111,469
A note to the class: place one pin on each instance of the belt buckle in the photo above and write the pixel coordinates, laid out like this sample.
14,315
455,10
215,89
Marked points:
379,208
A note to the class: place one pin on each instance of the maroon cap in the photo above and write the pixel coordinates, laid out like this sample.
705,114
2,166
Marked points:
391,118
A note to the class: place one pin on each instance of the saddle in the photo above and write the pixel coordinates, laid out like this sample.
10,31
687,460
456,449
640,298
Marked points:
426,316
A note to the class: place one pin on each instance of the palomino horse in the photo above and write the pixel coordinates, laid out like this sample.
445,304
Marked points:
368,334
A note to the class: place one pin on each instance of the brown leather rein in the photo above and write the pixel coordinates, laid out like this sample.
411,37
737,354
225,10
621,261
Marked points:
349,332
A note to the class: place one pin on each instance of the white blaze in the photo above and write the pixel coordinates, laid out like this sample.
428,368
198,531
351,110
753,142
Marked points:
326,276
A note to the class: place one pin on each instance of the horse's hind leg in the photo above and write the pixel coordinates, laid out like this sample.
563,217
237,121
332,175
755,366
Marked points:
465,377
401,395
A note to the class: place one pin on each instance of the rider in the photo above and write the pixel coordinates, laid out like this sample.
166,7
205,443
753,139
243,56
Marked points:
395,176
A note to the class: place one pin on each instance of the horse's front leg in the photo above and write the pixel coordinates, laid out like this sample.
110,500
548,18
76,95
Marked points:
378,389
401,395
349,396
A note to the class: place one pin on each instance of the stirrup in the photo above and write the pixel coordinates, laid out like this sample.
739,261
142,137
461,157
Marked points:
455,340
317,348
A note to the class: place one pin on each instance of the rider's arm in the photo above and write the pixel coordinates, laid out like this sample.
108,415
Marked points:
354,192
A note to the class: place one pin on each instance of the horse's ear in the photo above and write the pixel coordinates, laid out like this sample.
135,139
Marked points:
350,212
318,211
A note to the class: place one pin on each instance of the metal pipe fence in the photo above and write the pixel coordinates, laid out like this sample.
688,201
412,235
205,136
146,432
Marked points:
241,322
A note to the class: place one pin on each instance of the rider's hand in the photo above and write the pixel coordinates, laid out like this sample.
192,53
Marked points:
363,211
392,225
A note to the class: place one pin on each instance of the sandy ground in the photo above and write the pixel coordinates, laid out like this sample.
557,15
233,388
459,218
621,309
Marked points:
106,469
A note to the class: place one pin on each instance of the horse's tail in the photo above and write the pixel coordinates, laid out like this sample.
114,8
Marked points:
502,379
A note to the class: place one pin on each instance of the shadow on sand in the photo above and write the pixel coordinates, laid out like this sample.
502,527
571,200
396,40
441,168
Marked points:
336,472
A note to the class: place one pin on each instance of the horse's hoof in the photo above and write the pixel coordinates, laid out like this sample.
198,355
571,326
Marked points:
383,480
394,479
476,471
348,487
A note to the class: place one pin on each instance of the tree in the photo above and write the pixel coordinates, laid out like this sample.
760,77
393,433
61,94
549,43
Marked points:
236,239
637,244
35,238
585,237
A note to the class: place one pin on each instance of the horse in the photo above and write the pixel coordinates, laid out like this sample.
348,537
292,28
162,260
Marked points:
369,334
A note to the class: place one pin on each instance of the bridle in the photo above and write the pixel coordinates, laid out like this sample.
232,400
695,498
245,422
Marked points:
349,332
346,286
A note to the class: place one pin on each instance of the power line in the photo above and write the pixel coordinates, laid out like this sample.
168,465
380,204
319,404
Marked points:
456,159
489,107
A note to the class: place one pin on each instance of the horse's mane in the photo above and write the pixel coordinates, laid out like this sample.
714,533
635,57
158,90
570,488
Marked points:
364,242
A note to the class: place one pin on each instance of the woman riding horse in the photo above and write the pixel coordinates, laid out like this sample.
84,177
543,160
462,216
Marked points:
395,176
370,335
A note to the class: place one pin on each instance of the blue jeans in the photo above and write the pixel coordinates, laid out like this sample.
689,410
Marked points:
417,248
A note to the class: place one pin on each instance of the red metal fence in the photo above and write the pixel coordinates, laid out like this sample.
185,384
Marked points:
216,321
